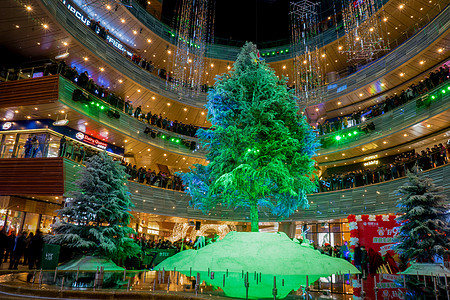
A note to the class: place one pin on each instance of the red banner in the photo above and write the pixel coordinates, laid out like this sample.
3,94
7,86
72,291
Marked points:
377,234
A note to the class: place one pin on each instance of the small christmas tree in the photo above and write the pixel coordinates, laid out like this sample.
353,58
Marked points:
95,221
260,146
424,232
424,229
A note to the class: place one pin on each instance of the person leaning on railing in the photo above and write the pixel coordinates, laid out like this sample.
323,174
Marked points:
404,162
430,82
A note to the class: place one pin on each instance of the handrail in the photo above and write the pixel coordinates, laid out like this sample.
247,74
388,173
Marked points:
396,120
414,45
372,199
113,58
367,121
125,124
387,63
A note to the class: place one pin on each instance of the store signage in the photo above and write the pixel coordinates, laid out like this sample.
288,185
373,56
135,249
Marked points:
341,88
6,125
372,157
370,163
332,86
115,42
77,13
62,122
90,140
151,231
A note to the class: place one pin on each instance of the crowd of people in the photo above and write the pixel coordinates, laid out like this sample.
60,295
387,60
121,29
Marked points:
84,81
427,159
143,63
148,176
160,122
433,80
26,245
75,151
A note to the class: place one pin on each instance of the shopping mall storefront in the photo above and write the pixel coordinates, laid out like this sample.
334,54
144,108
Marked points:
44,140
39,139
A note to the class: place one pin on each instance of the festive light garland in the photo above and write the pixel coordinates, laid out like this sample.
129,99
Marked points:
309,73
363,30
194,31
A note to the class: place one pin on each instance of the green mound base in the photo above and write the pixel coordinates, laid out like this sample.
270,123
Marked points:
89,263
272,256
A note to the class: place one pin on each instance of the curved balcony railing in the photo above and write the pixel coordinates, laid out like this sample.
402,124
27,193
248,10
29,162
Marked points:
419,42
112,57
125,124
377,198
392,60
222,51
398,119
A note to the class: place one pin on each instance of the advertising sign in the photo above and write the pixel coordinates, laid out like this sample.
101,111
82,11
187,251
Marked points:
90,140
377,234
50,256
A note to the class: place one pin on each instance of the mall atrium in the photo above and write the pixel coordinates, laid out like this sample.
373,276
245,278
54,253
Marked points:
135,79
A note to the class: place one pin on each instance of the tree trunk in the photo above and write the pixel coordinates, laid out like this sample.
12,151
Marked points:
254,218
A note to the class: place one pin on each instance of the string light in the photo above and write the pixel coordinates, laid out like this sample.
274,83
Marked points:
363,32
308,69
194,32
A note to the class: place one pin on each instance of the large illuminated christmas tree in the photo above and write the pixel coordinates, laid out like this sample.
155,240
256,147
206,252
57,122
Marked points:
260,145
95,222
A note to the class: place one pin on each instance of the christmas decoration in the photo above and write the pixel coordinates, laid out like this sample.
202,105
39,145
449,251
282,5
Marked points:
194,30
260,147
424,233
95,220
268,264
309,70
363,30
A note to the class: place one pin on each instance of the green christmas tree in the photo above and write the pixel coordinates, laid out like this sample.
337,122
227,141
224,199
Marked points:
95,220
260,146
424,232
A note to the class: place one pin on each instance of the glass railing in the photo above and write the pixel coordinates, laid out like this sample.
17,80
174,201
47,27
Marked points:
165,91
372,114
38,149
375,198
387,172
139,282
155,122
96,109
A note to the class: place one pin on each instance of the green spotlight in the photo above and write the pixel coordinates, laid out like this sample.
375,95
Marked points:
177,141
355,132
249,150
98,104
92,103
338,137
273,53
349,134
448,88
443,91
287,50
102,107
433,97
163,136
86,105
282,51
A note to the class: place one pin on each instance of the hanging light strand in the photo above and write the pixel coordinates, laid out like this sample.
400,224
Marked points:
363,30
194,31
307,58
